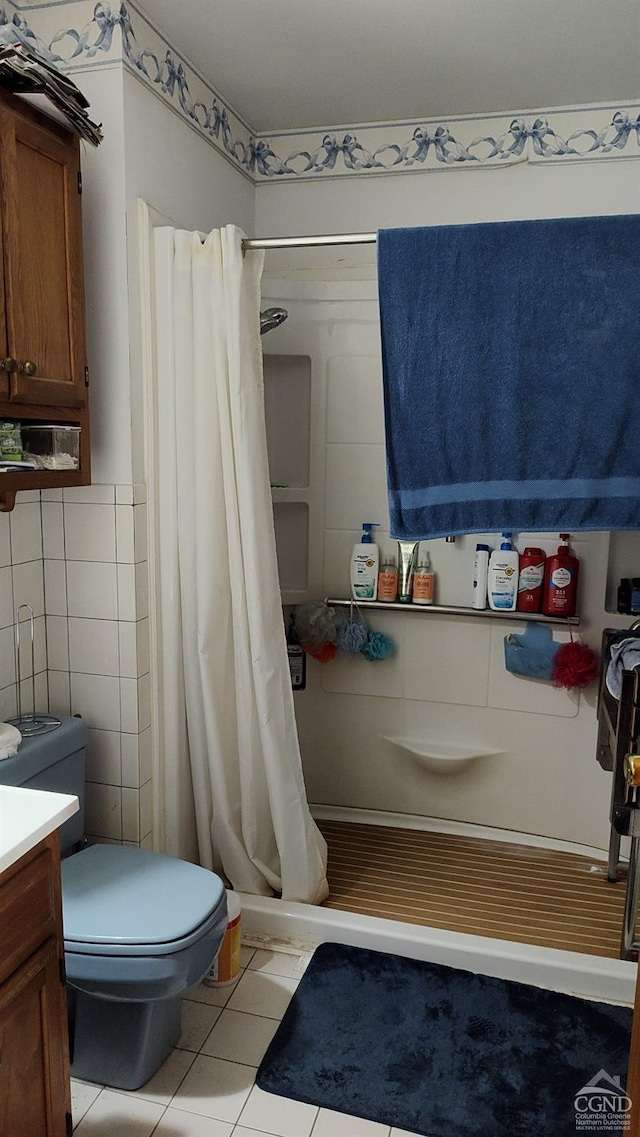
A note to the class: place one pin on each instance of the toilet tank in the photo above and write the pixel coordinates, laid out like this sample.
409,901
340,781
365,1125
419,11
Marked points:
53,761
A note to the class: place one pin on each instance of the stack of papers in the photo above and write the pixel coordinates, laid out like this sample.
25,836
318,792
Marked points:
24,72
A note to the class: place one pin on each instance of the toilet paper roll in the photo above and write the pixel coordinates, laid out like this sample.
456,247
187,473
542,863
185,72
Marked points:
10,739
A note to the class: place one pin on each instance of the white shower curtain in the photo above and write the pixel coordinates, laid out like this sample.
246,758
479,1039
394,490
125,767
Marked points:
226,713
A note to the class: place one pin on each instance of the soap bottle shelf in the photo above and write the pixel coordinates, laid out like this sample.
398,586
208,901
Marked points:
454,610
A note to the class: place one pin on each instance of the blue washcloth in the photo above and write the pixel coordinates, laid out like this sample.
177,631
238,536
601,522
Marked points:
625,655
512,376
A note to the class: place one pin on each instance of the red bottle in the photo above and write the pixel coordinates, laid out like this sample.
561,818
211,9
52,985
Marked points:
561,582
531,580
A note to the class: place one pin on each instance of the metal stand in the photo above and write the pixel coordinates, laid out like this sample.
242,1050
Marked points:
618,737
34,723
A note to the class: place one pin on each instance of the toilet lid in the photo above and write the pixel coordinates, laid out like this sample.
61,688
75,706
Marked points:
112,894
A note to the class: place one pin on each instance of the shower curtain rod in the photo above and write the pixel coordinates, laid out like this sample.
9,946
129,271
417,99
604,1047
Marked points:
308,242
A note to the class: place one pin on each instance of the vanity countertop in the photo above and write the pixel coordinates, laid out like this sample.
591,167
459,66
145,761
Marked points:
26,817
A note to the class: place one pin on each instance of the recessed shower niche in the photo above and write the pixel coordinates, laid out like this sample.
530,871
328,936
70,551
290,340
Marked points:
287,398
291,521
287,406
624,562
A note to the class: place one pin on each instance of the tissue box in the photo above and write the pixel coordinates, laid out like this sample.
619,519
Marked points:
53,446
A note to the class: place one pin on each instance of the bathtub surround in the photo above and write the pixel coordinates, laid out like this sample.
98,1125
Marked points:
227,728
447,681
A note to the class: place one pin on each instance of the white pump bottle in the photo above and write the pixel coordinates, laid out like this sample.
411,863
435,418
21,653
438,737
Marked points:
365,559
502,582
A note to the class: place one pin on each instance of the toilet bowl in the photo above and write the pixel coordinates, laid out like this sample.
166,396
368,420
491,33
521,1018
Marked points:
140,928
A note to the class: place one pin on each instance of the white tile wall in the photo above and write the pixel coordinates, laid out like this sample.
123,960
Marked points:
145,755
103,810
97,699
124,495
7,666
130,815
6,597
5,540
92,589
55,585
26,532
58,554
90,532
141,583
130,751
22,582
37,651
28,586
93,646
129,706
98,494
59,692
128,664
53,529
124,534
57,643
144,702
104,763
126,580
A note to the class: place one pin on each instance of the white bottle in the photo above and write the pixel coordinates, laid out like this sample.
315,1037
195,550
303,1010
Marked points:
365,557
480,570
502,580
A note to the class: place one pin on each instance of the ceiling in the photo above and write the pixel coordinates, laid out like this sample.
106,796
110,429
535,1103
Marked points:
286,64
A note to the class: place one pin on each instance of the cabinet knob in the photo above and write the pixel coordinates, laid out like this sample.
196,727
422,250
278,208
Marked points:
27,368
8,364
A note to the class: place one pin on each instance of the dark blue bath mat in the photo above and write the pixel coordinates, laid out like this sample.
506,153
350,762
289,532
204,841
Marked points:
439,1051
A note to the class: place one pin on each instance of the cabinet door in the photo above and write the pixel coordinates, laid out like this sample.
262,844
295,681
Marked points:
4,375
34,1085
43,279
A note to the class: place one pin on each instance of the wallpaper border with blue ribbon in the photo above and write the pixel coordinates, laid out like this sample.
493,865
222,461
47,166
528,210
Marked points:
94,34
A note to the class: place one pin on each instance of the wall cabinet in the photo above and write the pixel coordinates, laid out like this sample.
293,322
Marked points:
34,1053
43,368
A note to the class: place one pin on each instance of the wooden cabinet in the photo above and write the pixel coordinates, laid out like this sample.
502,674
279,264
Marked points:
43,368
34,1054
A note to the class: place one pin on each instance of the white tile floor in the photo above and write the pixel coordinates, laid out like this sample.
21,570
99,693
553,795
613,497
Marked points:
206,1086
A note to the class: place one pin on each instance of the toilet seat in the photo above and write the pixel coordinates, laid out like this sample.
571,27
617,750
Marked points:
121,901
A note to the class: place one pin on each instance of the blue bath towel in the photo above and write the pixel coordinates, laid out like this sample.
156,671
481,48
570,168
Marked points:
511,362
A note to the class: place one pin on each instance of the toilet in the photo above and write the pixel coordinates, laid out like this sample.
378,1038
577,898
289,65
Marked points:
140,928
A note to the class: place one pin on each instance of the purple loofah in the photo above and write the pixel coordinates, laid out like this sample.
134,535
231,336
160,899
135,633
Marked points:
352,636
378,646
